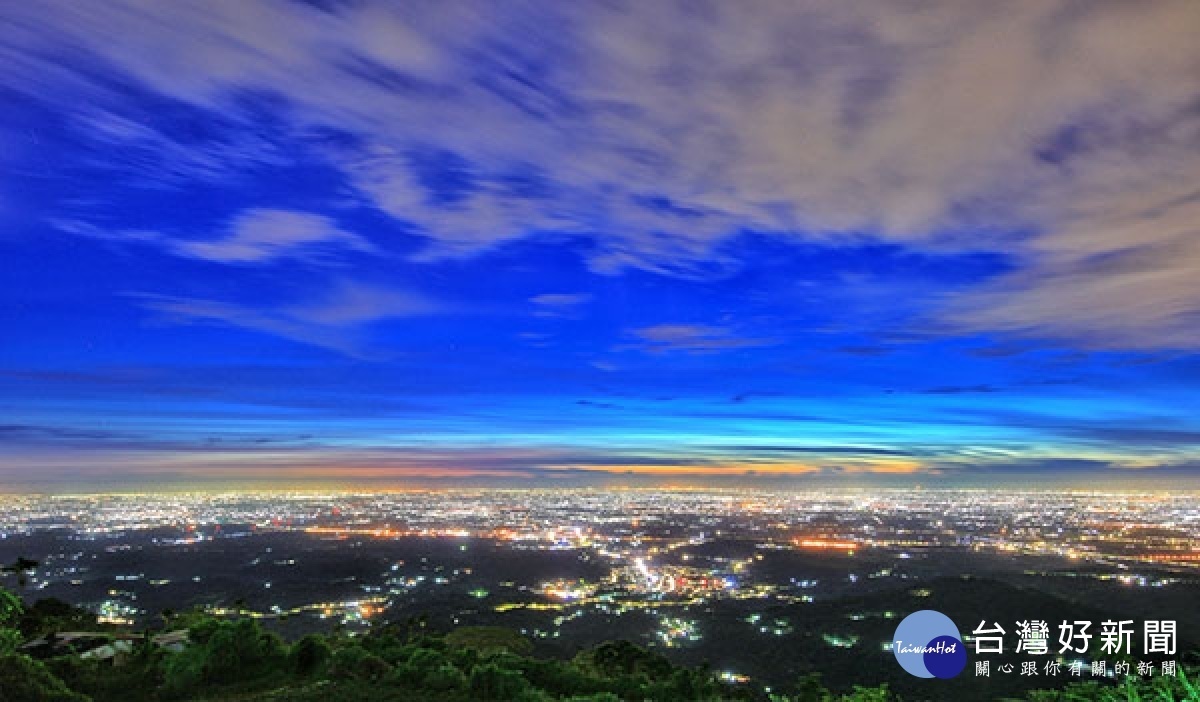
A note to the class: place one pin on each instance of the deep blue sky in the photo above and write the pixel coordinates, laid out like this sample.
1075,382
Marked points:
694,243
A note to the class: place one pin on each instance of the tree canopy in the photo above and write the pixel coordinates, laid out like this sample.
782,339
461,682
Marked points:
237,659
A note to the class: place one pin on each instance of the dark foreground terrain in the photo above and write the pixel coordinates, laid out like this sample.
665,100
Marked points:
236,659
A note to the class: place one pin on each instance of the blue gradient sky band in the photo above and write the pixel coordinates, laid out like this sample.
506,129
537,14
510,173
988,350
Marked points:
525,249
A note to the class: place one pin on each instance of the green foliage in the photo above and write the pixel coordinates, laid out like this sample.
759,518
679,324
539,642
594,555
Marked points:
23,679
50,615
810,689
492,682
223,653
426,659
10,640
357,663
560,679
309,655
1160,688
238,660
186,619
489,639
138,677
616,658
10,608
868,694
444,678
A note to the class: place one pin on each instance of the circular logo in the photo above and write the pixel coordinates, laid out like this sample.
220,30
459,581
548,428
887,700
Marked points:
927,644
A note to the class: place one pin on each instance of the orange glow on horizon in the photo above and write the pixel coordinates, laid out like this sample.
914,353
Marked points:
731,469
826,544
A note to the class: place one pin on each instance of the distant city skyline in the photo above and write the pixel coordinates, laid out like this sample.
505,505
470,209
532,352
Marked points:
779,244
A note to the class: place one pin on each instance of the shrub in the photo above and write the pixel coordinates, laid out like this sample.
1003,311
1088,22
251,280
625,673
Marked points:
491,682
309,655
357,663
23,679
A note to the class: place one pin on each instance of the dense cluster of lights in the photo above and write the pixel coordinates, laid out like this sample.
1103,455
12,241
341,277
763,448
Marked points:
664,552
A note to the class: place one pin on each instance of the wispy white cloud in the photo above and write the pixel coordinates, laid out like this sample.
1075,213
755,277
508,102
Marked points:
1063,134
694,338
261,235
356,303
255,236
153,156
338,320
559,304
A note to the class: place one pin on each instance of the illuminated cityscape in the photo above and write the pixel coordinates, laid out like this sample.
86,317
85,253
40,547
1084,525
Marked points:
599,351
701,575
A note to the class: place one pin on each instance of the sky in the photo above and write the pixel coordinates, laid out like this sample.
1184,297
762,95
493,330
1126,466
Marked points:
611,243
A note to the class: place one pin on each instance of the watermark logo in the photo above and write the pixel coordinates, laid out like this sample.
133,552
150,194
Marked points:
927,644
